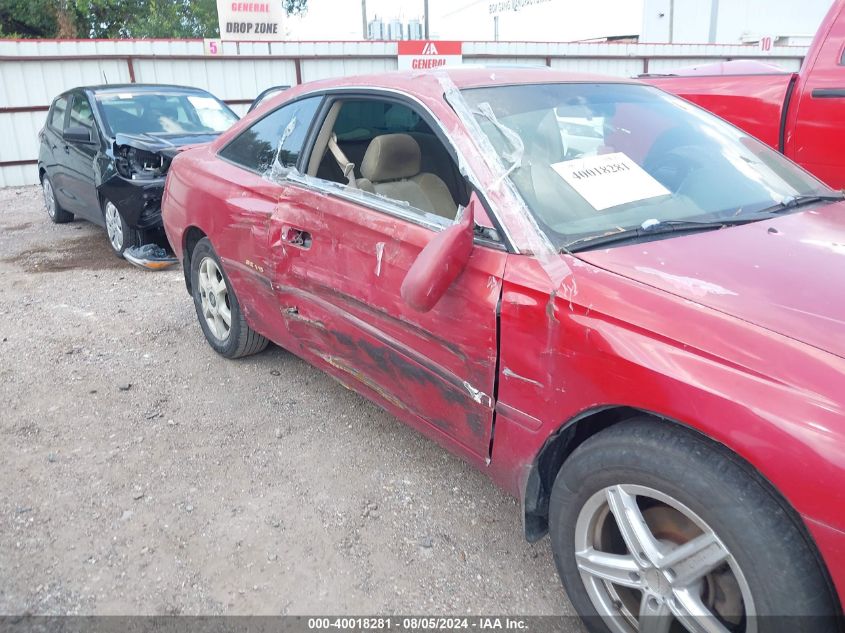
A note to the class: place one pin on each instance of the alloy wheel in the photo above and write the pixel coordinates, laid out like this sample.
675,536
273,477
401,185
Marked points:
650,564
49,197
114,227
214,297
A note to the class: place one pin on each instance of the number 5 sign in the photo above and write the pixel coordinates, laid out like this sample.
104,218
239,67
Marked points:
211,47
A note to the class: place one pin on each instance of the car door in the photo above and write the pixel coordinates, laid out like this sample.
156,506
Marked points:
266,94
240,234
340,256
818,136
79,159
54,157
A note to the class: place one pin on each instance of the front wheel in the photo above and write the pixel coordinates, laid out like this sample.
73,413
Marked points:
218,310
655,529
121,236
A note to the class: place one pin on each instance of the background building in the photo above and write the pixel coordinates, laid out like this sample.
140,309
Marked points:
375,29
731,21
653,21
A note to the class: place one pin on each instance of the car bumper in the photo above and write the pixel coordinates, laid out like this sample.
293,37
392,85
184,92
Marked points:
139,201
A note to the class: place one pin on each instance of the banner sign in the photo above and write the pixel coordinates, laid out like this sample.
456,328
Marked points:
426,54
507,6
251,21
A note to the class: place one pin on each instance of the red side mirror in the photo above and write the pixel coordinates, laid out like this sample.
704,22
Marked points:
440,262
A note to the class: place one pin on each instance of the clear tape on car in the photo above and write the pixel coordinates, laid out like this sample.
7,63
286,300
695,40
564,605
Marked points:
278,173
522,226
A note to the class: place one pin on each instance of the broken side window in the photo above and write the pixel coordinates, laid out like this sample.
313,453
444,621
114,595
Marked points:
279,135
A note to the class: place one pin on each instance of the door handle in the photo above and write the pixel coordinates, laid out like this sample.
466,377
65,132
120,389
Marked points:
296,237
828,93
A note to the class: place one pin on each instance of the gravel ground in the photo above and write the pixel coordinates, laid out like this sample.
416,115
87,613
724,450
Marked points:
144,474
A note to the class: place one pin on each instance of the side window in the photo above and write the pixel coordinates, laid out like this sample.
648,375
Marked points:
281,132
57,115
394,154
369,118
81,114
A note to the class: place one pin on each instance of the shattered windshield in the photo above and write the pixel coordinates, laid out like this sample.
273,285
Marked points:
592,159
164,113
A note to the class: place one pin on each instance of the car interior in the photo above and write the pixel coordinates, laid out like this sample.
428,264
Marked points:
151,114
387,149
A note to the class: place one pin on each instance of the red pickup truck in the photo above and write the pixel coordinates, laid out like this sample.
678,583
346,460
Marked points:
801,114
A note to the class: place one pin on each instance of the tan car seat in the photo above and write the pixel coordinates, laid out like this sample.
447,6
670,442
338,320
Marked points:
391,168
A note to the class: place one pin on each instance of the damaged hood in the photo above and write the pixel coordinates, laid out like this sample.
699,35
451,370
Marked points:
166,144
786,274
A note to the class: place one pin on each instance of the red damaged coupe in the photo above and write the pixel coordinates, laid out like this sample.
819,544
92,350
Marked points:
625,310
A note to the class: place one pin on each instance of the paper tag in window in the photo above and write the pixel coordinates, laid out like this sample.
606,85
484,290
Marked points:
204,102
609,180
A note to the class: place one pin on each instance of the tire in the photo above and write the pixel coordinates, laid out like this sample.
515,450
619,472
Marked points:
211,289
55,212
757,561
120,235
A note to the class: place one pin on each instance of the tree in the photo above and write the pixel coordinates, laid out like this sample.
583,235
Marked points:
28,18
116,18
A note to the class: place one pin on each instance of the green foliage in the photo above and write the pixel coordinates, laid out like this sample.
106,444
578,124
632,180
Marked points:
28,18
295,7
116,18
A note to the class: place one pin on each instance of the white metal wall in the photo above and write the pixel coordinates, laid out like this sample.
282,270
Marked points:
33,72
733,21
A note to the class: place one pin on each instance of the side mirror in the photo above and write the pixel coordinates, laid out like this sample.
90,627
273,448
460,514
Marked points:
440,262
77,134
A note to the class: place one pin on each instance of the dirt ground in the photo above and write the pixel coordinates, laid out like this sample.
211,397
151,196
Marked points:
144,474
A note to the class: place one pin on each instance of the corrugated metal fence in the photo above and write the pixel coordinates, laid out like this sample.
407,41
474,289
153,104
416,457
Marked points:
33,72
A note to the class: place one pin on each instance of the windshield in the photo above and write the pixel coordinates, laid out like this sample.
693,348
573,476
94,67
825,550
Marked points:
164,113
591,159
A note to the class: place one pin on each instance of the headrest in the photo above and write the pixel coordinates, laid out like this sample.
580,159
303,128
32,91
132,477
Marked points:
391,157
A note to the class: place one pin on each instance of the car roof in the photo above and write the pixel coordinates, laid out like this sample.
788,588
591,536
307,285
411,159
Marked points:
470,76
108,88
478,76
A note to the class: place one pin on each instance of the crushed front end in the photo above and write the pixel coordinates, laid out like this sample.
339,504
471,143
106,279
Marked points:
134,182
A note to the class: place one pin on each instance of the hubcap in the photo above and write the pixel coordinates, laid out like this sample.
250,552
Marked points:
49,198
651,564
114,227
214,299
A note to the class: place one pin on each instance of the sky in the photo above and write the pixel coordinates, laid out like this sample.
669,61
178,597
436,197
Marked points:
538,20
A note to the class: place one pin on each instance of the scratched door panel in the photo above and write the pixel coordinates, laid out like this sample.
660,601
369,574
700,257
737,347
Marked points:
340,299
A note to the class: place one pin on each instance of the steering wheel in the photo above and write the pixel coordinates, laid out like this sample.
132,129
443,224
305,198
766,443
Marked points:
673,168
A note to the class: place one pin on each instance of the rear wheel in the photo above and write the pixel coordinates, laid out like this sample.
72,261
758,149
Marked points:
121,236
217,307
655,529
54,211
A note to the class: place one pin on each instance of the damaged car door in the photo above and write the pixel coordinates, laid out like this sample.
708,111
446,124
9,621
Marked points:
250,197
342,245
